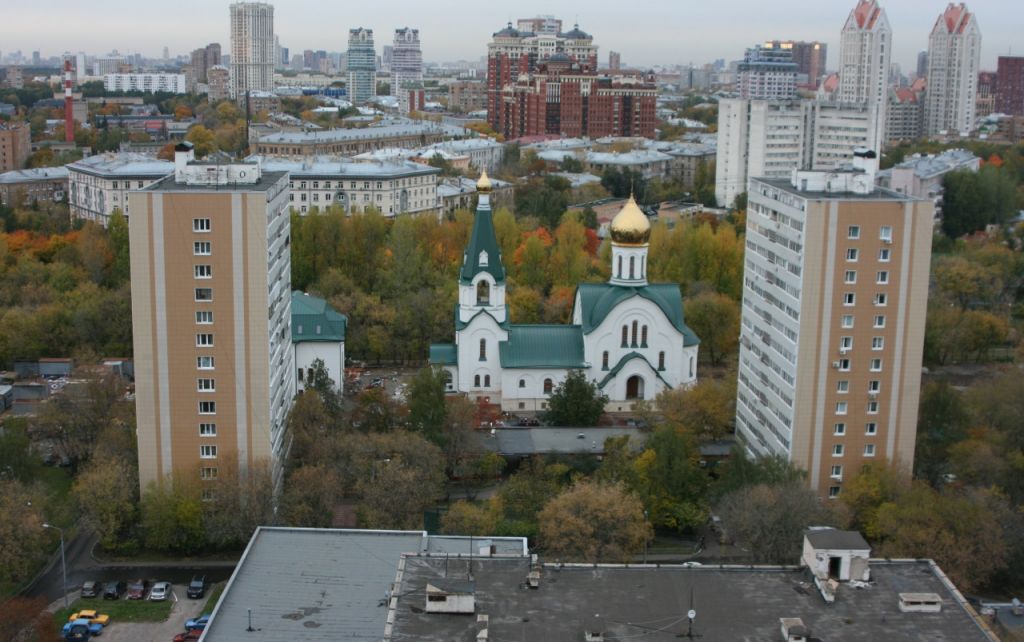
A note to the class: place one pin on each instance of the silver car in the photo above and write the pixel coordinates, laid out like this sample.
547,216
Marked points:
160,591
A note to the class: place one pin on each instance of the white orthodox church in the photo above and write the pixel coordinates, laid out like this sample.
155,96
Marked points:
627,335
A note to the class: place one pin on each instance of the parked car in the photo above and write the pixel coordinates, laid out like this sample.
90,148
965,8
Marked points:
94,628
160,591
92,589
197,587
77,631
91,616
189,636
137,590
197,623
114,590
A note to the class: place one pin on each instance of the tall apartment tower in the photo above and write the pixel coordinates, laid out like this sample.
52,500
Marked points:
1010,85
614,60
406,65
834,299
865,52
362,66
252,48
767,72
211,318
954,55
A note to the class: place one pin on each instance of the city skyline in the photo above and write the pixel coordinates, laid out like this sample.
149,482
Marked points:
665,33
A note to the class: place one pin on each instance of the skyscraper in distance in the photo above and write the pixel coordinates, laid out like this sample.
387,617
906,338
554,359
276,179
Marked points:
362,66
252,48
865,51
954,55
406,65
1010,85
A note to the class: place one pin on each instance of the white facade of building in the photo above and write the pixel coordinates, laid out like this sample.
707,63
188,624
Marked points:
758,138
97,185
865,53
252,47
627,335
318,333
147,83
954,55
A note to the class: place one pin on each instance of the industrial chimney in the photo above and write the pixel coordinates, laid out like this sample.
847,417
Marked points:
69,111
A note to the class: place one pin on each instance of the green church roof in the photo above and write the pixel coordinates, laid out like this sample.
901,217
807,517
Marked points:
622,362
444,354
314,320
597,300
543,346
461,325
483,239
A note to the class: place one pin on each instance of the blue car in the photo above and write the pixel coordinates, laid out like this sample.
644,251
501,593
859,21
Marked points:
198,622
77,626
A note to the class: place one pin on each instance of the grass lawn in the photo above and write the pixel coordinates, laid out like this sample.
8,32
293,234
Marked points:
212,600
119,610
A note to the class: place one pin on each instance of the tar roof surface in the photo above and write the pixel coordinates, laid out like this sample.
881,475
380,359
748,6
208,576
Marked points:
310,584
651,604
877,194
168,184
835,539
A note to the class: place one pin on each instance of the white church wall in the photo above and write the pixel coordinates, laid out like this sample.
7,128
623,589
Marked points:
531,396
331,353
471,366
468,298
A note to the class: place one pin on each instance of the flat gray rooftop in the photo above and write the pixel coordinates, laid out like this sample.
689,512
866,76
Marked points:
650,604
547,440
877,194
267,180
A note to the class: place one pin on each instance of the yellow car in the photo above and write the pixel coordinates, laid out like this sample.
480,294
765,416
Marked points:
91,615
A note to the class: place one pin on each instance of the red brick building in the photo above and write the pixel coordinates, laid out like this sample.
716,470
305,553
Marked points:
1010,85
541,84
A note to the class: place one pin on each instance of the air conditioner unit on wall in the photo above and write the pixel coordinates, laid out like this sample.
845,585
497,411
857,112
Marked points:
835,364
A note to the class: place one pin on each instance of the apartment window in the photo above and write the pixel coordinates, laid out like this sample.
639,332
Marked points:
840,407
884,255
877,343
837,472
853,232
842,386
208,472
876,365
204,363
844,365
869,450
204,294
833,492
885,233
845,343
204,317
203,271
883,278
851,254
204,340
847,321
483,349
200,225
207,451
871,428
837,450
872,407
880,321
316,184
206,385
208,495
207,430
874,386
207,407
849,298
604,360
850,276
839,429
202,248
881,299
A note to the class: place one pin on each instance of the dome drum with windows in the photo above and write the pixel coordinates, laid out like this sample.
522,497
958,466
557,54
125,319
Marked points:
630,226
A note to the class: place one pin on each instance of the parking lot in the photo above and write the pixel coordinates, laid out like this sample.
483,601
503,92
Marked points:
182,609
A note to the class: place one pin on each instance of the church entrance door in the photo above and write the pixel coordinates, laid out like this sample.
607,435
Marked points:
635,387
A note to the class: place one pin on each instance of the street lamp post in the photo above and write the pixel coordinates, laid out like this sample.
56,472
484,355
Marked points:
63,562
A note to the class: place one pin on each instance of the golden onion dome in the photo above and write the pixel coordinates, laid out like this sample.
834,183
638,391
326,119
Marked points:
630,226
484,184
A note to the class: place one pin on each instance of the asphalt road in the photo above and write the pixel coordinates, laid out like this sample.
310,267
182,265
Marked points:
82,567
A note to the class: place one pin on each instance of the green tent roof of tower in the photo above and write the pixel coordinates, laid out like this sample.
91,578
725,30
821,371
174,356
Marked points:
483,253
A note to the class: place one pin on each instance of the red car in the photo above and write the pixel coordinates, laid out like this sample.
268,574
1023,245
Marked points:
137,590
189,636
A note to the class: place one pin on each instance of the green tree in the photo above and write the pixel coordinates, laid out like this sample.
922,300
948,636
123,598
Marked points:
942,421
465,518
715,318
172,515
575,401
108,499
310,494
706,409
202,139
594,522
671,481
117,229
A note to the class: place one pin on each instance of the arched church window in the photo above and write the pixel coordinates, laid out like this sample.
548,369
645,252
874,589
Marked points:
620,267
643,337
548,386
634,333
483,349
691,366
522,383
487,381
604,360
625,336
661,361
632,266
483,293
483,258
476,381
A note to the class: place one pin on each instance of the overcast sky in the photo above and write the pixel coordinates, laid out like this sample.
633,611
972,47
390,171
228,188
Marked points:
647,32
